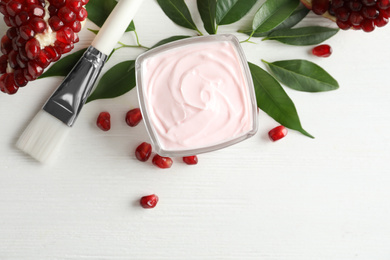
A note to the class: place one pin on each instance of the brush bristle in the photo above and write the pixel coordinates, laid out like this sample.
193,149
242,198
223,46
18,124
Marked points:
43,137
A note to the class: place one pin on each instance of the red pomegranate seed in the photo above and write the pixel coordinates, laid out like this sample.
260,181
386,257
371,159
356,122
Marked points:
52,10
13,63
133,117
190,160
74,5
3,9
22,18
31,2
82,14
320,6
6,45
369,2
370,12
76,26
143,152
2,82
26,32
84,2
63,47
22,64
65,35
355,6
19,43
38,25
13,7
32,48
75,38
43,59
104,121
27,75
36,10
381,21
149,202
323,50
66,15
385,12
383,4
337,3
368,25
343,25
277,133
7,21
53,54
342,14
12,32
162,162
3,64
10,87
20,80
355,18
56,23
34,69
58,3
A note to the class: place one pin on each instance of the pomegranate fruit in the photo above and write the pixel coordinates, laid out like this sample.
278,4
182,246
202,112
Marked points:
40,32
357,14
149,202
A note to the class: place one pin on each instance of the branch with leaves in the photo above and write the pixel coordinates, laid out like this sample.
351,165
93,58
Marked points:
274,20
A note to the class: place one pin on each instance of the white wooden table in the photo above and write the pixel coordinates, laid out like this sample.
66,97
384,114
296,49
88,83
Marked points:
296,199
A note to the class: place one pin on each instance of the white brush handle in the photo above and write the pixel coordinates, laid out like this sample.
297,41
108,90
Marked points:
115,25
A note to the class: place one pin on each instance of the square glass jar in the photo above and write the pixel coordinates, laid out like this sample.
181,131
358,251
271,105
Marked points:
196,95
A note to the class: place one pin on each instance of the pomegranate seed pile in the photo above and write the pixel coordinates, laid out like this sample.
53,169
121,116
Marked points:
356,14
40,32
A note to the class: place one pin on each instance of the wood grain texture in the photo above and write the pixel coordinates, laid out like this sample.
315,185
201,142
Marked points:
296,199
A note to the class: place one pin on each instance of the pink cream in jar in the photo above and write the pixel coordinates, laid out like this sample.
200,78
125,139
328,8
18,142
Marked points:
196,95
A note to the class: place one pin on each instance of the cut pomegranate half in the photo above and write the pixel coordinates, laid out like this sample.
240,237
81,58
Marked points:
357,14
40,32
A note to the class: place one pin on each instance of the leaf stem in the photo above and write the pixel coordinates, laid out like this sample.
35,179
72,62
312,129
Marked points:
250,36
129,46
199,32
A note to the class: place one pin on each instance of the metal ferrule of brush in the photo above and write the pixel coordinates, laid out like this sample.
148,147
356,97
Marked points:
67,101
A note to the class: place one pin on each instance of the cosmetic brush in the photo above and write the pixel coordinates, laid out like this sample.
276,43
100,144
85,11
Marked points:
47,131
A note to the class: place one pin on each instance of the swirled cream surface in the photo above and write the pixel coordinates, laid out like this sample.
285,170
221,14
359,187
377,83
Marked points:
197,95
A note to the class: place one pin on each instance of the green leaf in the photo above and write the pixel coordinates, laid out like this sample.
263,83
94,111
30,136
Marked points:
291,21
92,30
63,66
170,39
99,10
272,13
302,75
311,35
178,12
117,81
230,11
131,27
273,100
206,10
